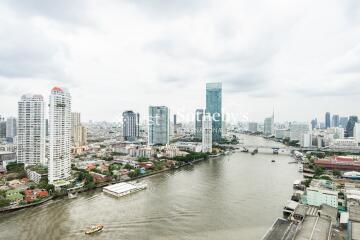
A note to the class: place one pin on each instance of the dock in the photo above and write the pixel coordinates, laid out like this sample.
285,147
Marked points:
123,189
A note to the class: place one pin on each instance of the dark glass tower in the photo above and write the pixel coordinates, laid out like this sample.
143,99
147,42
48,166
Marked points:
213,106
350,126
327,120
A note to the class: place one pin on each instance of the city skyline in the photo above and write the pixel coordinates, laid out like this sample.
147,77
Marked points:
308,60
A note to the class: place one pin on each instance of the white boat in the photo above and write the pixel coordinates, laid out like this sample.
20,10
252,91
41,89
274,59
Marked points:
72,195
301,168
352,175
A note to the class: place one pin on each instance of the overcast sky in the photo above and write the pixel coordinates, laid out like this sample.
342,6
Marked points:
302,57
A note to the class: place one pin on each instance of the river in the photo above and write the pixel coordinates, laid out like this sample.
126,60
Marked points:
237,196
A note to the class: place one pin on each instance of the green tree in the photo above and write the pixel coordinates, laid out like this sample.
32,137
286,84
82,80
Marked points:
4,202
128,166
15,167
142,159
135,173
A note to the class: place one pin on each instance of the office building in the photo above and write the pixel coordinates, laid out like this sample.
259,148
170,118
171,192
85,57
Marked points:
252,127
335,120
31,130
349,131
314,124
269,126
327,120
207,133
343,122
175,122
297,131
2,128
199,114
11,128
159,125
214,107
59,135
357,132
131,125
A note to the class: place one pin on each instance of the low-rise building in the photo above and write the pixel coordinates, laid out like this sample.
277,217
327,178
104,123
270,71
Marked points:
317,196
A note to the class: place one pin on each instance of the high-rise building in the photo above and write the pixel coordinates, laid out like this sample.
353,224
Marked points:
207,133
269,126
59,135
130,125
2,127
335,120
344,122
350,126
46,127
253,127
297,131
159,125
78,131
31,130
11,128
175,122
314,123
199,113
327,120
357,132
213,106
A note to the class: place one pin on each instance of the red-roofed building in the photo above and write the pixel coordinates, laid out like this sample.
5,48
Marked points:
31,195
339,162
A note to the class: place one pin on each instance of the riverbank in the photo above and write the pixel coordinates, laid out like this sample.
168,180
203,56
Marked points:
19,207
101,185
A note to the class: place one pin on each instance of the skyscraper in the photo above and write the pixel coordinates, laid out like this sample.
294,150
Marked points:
199,113
213,106
252,127
344,122
335,120
78,131
327,120
130,125
350,126
11,129
159,127
59,135
2,127
269,126
314,123
207,133
31,130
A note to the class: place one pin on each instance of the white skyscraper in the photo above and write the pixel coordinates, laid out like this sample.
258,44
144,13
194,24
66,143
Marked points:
59,135
207,133
357,132
31,130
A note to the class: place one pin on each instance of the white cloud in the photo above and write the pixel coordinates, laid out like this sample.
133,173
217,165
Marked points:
117,55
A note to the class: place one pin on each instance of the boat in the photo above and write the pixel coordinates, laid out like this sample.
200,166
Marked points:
301,168
245,150
352,175
72,195
254,152
273,160
94,229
